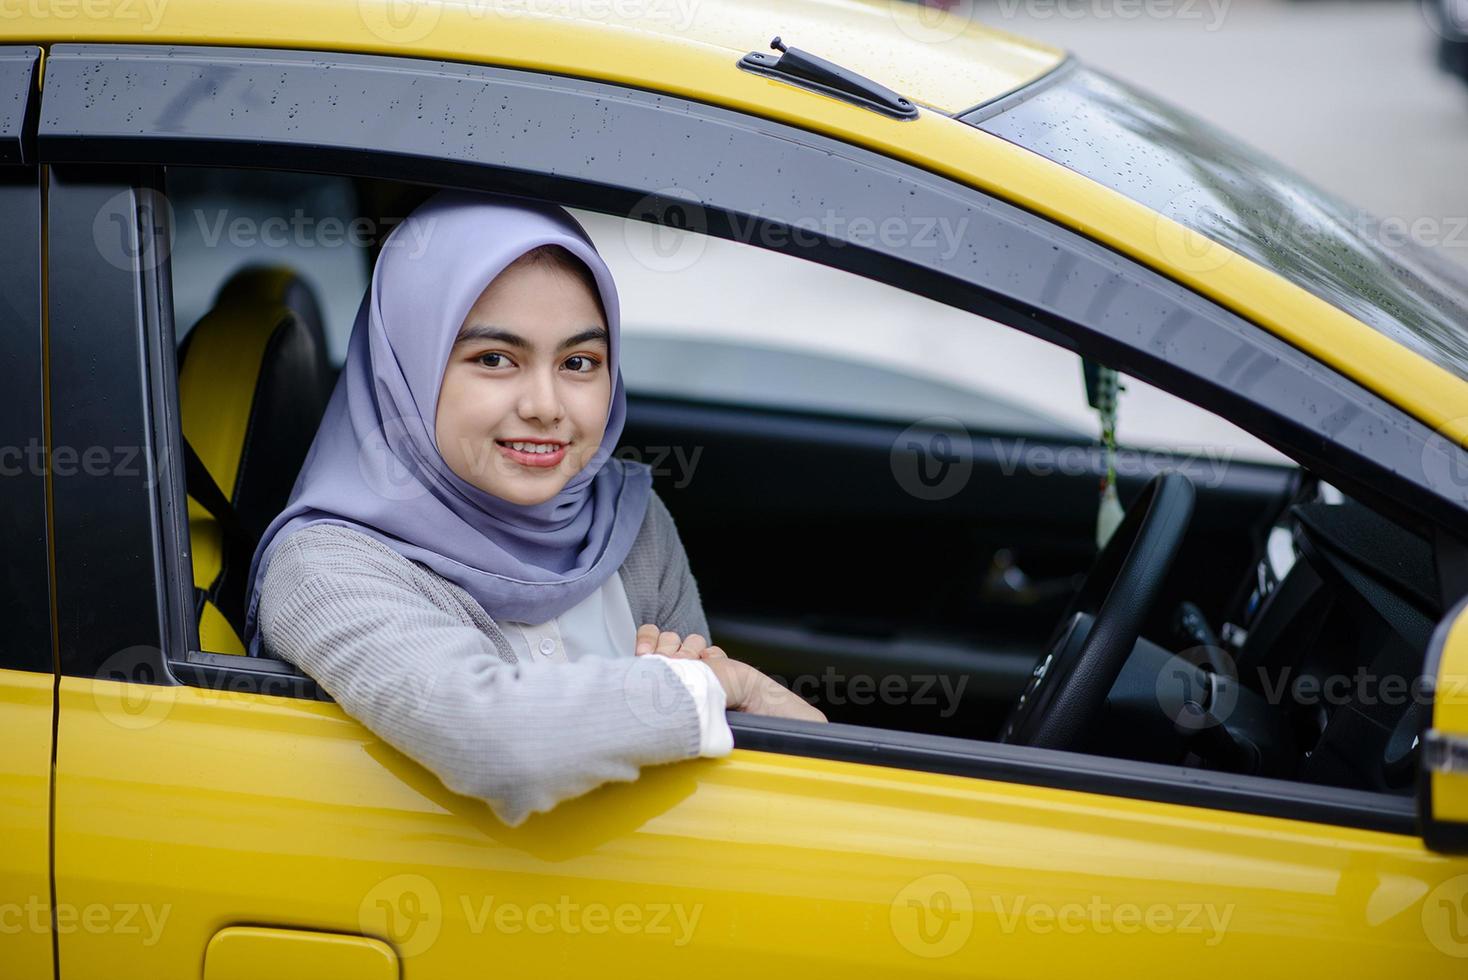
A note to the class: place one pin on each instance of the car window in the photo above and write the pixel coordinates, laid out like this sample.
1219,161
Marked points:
1203,178
729,321
225,220
25,642
729,325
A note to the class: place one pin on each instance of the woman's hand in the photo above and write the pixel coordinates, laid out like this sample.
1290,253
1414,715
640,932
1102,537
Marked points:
745,688
666,643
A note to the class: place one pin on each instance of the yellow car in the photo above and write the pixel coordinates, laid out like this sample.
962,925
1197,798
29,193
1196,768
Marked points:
1232,741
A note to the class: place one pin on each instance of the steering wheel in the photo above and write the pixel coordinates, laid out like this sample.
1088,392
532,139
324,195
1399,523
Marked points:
1104,619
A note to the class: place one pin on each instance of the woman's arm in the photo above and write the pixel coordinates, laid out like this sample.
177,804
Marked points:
522,737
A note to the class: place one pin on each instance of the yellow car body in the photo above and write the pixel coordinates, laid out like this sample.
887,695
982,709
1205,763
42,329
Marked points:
178,831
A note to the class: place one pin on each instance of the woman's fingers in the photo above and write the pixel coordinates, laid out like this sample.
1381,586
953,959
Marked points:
666,643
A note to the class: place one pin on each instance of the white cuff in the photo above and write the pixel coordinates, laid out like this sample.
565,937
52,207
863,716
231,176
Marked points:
714,737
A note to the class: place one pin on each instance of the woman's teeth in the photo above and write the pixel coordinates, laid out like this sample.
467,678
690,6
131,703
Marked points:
533,447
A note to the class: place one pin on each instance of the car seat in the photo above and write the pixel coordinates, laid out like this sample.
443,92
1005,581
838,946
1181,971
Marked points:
253,383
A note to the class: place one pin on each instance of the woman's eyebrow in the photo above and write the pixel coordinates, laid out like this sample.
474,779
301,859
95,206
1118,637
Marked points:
482,332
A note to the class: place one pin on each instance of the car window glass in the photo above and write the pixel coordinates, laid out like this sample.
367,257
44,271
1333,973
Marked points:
723,320
224,220
1155,153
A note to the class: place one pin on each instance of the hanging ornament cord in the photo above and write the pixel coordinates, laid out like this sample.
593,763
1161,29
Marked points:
1102,388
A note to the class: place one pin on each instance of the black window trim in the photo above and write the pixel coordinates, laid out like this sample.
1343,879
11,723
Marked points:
119,524
18,63
160,131
25,537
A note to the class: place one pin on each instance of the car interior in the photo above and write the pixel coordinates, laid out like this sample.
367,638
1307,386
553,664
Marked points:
987,614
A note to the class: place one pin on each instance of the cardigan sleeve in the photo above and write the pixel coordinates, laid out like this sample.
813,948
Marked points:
680,609
520,736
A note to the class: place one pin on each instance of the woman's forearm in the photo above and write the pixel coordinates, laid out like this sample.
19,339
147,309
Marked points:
522,737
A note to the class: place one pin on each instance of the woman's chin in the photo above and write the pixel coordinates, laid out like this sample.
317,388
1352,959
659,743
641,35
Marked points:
529,491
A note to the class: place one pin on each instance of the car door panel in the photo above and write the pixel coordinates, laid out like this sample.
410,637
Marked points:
25,788
227,809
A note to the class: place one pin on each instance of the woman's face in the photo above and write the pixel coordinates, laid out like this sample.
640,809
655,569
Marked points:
526,390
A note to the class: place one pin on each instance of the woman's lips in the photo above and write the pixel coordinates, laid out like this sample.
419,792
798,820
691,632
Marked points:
535,460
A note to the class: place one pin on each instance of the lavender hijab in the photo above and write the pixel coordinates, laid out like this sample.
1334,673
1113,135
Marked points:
375,467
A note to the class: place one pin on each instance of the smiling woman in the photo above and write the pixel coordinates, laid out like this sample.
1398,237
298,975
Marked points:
478,609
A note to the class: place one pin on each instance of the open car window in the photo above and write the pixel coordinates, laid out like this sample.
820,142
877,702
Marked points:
752,410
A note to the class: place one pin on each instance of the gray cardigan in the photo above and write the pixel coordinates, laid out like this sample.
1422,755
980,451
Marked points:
417,660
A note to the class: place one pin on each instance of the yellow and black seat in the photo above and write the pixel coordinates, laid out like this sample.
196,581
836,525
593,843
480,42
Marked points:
253,383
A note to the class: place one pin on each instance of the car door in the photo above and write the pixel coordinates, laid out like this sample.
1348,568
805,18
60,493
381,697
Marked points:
249,827
27,671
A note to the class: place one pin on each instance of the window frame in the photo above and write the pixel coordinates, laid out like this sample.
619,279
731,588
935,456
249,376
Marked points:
120,528
1079,298
24,535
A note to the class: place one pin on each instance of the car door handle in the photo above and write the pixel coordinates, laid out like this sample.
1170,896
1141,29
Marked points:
252,952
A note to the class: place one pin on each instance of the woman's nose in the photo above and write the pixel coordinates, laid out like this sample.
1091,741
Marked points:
541,399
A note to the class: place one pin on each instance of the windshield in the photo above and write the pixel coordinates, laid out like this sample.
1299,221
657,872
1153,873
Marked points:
1204,179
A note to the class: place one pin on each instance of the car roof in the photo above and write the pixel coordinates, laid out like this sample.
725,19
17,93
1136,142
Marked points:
949,62
945,60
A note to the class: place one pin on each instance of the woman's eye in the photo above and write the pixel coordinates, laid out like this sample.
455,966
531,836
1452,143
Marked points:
500,360
582,364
